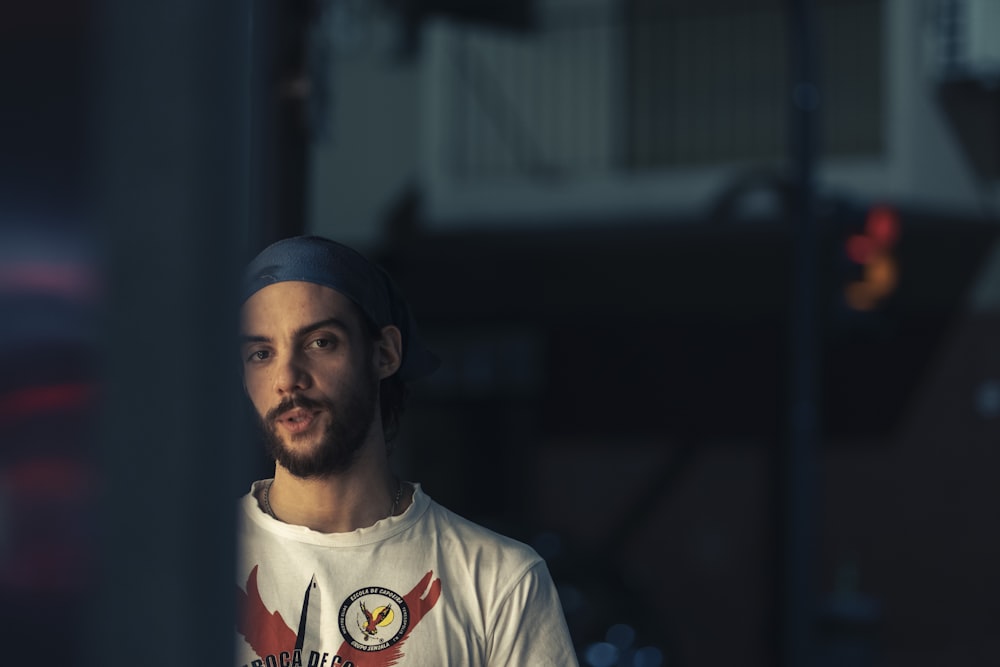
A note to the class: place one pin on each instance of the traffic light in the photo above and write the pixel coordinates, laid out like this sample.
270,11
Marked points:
871,254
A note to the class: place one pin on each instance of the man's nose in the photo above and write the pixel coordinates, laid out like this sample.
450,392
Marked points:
291,376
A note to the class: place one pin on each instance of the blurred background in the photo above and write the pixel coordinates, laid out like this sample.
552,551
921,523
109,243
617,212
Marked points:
715,284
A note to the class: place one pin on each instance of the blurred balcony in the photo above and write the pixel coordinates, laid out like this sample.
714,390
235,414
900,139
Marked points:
635,108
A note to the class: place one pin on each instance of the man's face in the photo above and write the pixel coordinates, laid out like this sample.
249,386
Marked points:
308,368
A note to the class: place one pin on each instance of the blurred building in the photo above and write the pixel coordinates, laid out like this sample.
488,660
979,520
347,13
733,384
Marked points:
587,203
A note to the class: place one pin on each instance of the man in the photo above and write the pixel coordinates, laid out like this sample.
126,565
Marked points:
341,563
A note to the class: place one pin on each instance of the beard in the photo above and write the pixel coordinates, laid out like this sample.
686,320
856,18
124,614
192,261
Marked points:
346,431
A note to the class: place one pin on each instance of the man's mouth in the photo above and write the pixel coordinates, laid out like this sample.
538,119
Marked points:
297,420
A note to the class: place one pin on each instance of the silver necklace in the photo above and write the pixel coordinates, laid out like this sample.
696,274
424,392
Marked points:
395,500
265,499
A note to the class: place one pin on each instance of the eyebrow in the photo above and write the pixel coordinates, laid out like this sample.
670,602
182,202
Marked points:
331,322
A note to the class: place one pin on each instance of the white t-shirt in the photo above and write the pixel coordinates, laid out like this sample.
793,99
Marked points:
426,588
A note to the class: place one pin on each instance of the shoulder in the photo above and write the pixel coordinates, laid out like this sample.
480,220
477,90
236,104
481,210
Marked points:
454,527
483,553
521,615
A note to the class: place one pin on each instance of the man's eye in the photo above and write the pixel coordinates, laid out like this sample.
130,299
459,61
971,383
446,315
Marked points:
258,355
321,343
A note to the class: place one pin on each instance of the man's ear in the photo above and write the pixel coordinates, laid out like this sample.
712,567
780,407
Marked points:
389,351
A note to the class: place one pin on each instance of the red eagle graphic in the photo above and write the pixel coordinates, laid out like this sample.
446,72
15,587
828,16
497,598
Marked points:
370,627
266,632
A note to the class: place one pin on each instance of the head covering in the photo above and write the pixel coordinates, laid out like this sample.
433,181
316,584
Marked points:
314,259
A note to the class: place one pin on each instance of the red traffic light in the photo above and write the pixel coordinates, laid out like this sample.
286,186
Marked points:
872,249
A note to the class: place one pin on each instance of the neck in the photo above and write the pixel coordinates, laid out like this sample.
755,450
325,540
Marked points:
339,503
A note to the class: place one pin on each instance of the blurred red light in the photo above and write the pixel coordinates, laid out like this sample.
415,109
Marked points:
859,248
35,400
882,226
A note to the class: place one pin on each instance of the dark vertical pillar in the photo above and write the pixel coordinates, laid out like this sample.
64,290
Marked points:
171,191
796,470
263,157
293,85
282,87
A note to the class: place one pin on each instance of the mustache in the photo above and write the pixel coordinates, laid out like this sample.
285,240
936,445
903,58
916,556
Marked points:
291,402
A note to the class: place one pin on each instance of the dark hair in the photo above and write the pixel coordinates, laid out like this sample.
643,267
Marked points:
392,401
392,390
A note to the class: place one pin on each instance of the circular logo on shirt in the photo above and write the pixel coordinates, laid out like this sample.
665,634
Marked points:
372,619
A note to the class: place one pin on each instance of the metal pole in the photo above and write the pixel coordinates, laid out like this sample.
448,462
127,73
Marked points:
798,458
171,193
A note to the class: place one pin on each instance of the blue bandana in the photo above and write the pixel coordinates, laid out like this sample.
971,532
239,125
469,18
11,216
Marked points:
314,259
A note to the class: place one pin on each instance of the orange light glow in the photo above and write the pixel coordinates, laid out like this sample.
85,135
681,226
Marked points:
859,296
881,274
